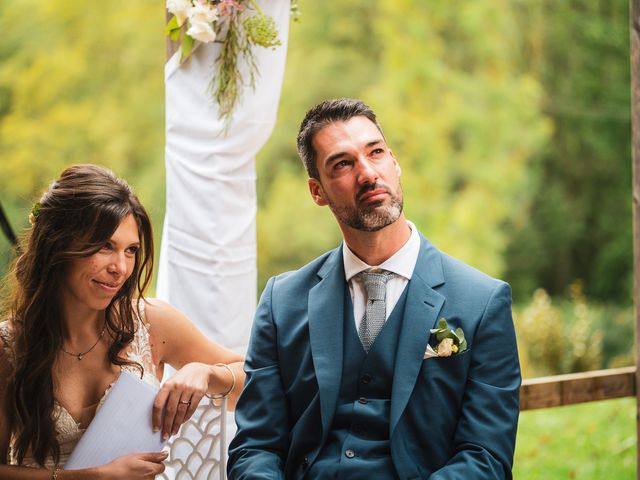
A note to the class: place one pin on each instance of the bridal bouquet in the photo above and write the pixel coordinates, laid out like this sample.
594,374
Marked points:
239,25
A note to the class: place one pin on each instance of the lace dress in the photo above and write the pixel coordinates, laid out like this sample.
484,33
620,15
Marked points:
69,431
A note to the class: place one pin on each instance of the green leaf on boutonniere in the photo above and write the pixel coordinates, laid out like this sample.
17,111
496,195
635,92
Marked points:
450,342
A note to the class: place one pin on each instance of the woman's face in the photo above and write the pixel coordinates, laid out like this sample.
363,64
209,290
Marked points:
93,281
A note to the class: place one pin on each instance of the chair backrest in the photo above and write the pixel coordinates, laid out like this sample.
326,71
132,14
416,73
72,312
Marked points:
199,451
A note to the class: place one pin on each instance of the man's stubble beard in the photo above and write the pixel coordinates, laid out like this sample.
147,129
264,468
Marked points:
373,217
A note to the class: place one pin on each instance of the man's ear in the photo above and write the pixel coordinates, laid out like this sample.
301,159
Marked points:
398,169
317,193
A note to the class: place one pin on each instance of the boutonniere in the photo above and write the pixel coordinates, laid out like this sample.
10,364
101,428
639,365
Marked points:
450,342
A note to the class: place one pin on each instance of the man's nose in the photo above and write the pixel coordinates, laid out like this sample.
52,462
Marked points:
366,172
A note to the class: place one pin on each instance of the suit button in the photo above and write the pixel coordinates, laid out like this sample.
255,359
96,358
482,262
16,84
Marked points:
349,453
363,401
305,462
366,378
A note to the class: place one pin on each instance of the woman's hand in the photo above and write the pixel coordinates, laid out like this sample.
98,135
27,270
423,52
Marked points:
179,397
135,466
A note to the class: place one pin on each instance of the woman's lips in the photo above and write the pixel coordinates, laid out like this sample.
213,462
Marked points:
108,286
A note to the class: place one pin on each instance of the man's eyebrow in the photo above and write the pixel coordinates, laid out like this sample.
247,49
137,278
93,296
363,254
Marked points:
374,142
332,158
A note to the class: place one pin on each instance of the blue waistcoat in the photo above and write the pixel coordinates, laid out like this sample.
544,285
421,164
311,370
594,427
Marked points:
358,444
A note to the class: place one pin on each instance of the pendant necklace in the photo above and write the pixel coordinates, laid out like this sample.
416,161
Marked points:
81,355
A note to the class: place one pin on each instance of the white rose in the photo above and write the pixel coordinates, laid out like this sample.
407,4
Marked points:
445,348
201,18
180,8
201,31
203,12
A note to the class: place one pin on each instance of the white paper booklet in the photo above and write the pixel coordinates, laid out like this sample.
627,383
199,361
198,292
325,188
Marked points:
121,426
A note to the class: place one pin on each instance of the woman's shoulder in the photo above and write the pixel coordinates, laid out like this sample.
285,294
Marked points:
154,316
155,312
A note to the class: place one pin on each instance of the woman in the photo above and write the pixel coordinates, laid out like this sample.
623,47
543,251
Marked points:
77,317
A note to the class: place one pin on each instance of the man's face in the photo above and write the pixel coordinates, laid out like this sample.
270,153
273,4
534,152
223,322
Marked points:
359,176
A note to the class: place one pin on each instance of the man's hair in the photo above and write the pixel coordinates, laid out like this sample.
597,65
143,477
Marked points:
323,114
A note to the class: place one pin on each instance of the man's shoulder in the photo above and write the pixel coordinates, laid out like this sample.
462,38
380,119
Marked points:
457,272
455,267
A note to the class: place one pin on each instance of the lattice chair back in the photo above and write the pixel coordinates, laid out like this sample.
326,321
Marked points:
199,451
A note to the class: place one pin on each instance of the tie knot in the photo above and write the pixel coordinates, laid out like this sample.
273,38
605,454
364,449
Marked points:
375,283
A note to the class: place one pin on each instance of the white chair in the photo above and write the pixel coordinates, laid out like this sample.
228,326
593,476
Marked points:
199,451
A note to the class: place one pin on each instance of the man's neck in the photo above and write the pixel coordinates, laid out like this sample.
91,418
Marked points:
374,248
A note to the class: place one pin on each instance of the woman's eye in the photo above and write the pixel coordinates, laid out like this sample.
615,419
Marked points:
106,246
133,250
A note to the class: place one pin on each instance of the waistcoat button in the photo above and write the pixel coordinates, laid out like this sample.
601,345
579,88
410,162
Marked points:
349,453
363,400
366,378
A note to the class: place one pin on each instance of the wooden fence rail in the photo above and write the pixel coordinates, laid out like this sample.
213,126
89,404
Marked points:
545,392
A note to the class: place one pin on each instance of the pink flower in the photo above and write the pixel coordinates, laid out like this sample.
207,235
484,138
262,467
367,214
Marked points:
226,7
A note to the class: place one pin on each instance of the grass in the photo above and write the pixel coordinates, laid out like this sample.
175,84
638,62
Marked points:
594,440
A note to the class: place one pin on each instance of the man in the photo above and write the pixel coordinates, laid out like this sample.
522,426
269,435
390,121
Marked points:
344,377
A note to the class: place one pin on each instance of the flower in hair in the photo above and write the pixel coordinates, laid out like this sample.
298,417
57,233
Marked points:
35,211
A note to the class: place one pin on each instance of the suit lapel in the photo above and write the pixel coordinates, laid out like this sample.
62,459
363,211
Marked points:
422,307
326,315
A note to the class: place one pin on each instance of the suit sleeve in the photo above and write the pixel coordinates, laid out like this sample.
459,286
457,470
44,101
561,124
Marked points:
259,448
485,436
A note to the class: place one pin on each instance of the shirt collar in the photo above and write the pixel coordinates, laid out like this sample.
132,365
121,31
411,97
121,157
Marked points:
401,263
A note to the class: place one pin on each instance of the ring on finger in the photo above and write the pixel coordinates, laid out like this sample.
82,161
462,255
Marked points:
185,402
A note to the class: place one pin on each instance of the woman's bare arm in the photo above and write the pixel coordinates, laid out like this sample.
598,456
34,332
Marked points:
204,367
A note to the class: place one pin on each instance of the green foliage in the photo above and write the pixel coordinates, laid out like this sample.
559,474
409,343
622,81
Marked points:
572,335
510,119
578,222
80,83
590,441
287,241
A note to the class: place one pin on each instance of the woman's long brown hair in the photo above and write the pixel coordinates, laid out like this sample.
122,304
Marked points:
78,215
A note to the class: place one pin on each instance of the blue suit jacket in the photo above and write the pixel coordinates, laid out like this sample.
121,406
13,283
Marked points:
451,418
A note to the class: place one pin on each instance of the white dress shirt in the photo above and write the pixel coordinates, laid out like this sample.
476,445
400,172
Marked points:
401,264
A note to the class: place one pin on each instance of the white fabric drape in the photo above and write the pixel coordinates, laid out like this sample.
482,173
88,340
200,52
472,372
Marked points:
207,266
208,252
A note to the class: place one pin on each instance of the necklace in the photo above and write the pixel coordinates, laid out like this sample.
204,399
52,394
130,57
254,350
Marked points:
81,355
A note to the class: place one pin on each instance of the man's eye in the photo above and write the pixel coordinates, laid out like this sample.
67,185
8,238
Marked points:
341,164
377,151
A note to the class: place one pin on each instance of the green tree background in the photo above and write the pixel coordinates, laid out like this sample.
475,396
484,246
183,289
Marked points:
510,119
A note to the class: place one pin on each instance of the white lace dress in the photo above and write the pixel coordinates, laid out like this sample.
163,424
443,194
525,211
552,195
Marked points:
69,431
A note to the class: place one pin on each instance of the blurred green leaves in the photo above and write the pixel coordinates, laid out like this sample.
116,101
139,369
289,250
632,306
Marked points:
510,120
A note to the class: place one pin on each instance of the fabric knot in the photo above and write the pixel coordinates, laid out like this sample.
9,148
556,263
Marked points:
375,283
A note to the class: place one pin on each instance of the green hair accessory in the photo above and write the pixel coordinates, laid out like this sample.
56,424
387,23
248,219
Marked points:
35,211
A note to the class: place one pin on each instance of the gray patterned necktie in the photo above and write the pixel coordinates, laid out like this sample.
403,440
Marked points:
375,283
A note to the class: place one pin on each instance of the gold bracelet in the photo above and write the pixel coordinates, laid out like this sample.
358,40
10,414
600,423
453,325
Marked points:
220,396
54,473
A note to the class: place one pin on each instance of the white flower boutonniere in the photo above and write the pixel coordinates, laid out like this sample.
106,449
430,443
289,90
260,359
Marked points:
450,342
